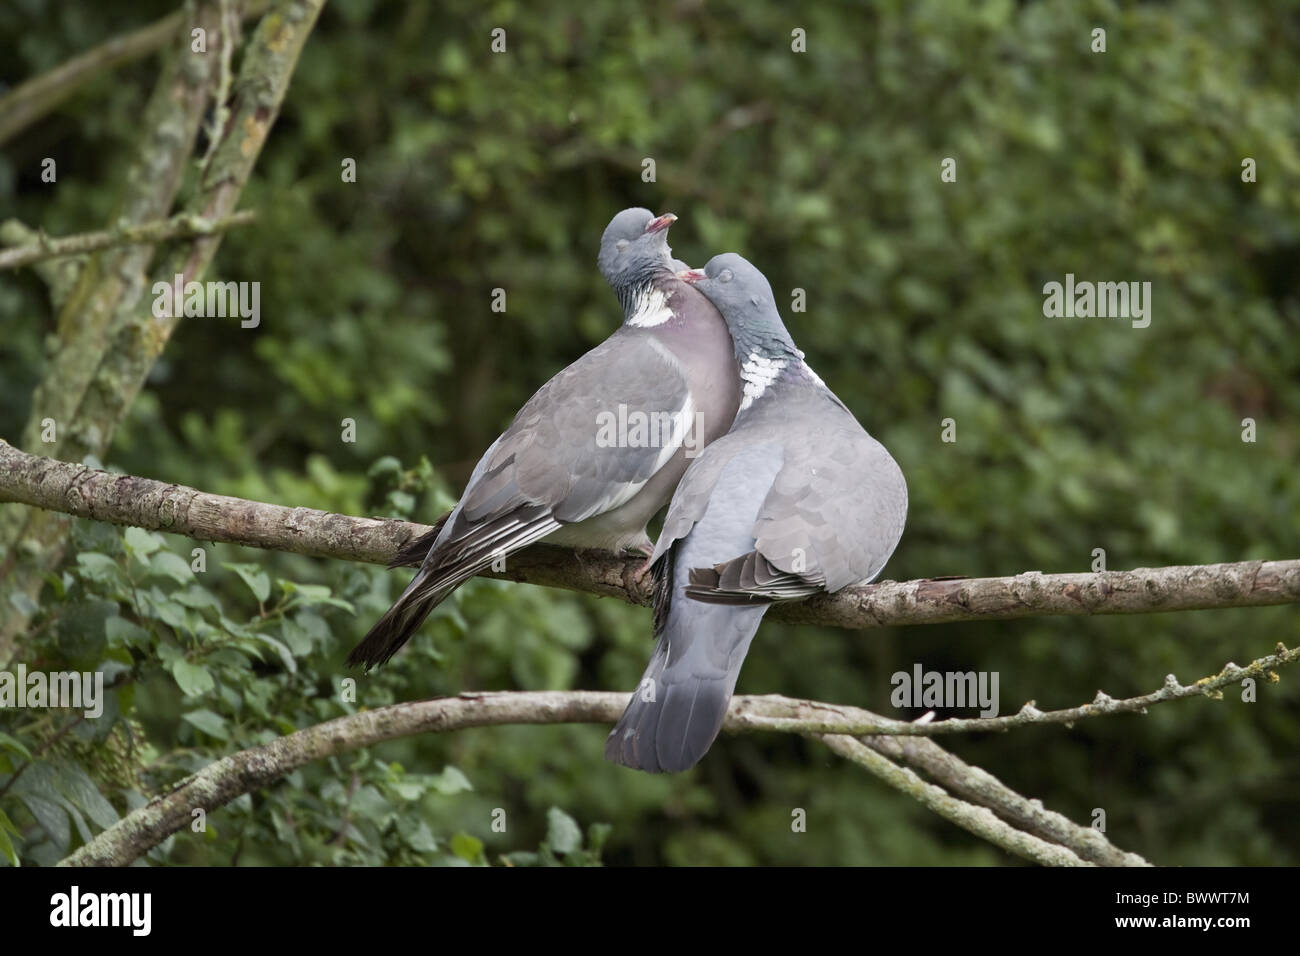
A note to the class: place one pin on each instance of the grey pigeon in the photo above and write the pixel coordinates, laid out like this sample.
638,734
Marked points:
797,499
598,449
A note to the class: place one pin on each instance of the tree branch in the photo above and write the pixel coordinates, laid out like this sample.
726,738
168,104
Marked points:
29,101
33,99
59,275
128,500
979,786
1026,828
124,234
248,770
980,821
851,720
105,380
107,288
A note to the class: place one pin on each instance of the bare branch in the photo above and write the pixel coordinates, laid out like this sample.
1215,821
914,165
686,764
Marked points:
107,370
29,101
35,98
106,290
145,503
979,786
851,720
248,770
160,230
980,821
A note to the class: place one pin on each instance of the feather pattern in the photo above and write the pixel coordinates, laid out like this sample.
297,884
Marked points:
797,499
555,473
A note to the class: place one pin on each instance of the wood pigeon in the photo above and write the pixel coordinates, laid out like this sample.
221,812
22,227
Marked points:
797,499
598,450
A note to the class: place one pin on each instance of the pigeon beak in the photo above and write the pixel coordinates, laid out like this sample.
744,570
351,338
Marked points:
692,275
660,224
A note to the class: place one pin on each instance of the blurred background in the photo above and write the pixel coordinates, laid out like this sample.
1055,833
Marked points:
924,302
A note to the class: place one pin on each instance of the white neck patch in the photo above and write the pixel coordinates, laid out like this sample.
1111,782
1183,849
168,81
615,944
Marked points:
651,309
758,373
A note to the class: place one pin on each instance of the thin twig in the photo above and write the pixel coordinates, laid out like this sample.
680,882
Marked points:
29,101
980,821
852,720
38,96
977,785
160,230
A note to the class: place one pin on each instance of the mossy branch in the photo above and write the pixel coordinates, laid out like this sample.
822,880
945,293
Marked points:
986,808
178,227
129,500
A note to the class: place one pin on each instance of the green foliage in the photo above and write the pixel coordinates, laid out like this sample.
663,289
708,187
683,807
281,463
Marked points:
478,171
200,664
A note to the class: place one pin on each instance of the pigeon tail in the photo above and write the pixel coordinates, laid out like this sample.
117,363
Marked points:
446,567
403,619
412,553
678,708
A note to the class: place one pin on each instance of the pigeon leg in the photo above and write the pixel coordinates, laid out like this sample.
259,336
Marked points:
648,550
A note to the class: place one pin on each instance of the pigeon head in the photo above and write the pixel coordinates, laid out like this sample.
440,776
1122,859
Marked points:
744,297
634,249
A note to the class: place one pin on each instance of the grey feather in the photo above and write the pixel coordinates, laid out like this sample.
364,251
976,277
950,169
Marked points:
554,473
795,500
679,706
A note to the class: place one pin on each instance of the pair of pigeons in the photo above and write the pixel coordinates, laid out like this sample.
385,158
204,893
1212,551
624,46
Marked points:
790,497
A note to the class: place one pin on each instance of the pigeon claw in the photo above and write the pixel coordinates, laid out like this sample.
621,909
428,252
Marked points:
644,567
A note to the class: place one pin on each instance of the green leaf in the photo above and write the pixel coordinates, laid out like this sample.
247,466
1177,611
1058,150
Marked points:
562,833
55,581
193,679
597,836
124,633
408,790
171,614
467,847
450,781
141,543
81,792
312,594
387,465
52,818
401,502
257,580
214,725
6,845
285,654
314,625
421,839
14,744
196,597
168,564
98,567
296,636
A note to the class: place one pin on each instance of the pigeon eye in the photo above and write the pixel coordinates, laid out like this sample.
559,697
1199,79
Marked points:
621,245
725,275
